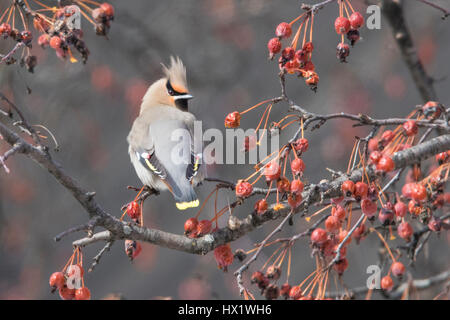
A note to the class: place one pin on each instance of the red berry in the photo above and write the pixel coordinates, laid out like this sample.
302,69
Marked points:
297,166
387,283
295,293
5,29
311,79
301,56
342,25
285,289
318,236
407,190
82,294
98,14
261,206
55,42
243,189
233,120
342,52
283,185
190,225
348,188
418,192
361,190
272,171
294,200
283,30
292,66
44,40
257,277
288,53
387,137
375,156
353,36
442,157
204,227
398,269
373,144
332,224
410,128
134,210
273,272
369,208
338,212
356,20
400,209
108,9
274,46
432,109
66,294
385,164
301,145
26,36
224,256
296,186
57,280
341,266
414,207
309,66
308,47
132,248
405,231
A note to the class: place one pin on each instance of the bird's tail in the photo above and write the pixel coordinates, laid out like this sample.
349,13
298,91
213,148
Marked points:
188,198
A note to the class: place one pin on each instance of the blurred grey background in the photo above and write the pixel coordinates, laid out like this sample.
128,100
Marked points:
90,108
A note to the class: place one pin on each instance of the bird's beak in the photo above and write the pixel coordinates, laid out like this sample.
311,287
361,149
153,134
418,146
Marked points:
184,96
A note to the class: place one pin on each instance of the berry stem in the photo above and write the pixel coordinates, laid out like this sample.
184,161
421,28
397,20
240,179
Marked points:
384,242
255,106
350,5
296,19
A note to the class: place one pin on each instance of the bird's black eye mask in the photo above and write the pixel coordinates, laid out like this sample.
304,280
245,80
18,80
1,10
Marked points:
171,91
180,103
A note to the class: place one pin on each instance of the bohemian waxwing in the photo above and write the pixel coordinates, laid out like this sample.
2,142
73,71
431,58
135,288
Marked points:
153,145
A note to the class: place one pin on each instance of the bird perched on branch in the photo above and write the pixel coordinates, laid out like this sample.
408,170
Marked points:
161,142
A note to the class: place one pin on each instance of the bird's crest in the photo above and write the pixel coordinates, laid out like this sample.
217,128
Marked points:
176,74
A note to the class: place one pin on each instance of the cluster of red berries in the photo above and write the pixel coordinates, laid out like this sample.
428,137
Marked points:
347,26
398,270
267,283
328,240
60,30
272,173
69,282
292,61
134,211
195,229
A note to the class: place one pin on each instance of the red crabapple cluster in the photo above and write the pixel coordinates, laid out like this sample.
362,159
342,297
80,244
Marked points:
70,281
53,27
298,61
421,196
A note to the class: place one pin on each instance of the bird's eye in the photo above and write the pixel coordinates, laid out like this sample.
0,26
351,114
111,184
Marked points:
170,90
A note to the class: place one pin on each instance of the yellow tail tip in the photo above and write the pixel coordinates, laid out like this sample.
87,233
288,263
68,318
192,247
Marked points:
186,205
